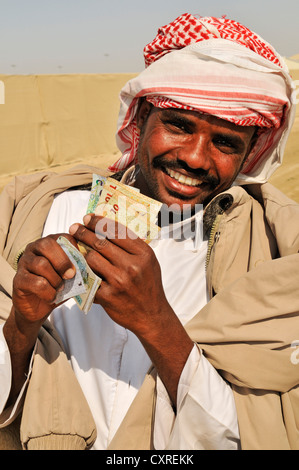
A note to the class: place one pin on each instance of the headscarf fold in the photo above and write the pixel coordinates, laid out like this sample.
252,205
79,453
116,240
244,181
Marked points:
219,67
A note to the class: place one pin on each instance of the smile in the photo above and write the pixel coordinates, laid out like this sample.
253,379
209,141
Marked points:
187,180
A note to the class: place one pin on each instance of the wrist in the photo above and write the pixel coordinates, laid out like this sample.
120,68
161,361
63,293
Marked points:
21,337
169,346
20,333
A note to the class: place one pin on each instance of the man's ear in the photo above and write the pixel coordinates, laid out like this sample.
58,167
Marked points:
143,112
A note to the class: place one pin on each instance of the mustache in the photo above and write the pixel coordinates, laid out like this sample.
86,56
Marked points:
200,173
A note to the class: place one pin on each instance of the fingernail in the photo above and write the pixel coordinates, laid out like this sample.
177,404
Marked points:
86,219
61,287
73,229
69,273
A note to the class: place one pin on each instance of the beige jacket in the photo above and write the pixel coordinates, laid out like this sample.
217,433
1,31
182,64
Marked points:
248,331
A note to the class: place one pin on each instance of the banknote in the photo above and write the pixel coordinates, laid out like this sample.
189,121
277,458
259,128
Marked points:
132,209
144,203
85,283
96,190
98,183
130,214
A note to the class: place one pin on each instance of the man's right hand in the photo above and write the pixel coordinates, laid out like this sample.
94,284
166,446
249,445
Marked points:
41,272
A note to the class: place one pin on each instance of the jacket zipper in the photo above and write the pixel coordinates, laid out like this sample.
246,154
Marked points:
212,238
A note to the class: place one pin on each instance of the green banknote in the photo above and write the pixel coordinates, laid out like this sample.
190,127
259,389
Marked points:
84,285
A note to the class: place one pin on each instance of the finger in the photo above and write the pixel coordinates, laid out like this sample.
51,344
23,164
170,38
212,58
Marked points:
103,294
40,266
101,255
117,233
83,234
29,283
48,248
100,265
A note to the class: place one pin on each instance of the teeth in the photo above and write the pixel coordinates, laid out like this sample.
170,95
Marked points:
183,179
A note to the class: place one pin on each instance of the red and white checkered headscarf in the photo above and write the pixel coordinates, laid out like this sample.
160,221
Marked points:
219,67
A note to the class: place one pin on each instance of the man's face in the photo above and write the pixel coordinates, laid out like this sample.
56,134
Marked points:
187,157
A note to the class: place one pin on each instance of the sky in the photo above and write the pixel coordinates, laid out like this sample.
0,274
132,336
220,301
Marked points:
108,36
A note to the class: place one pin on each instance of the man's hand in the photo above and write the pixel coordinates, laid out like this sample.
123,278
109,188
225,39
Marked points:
133,296
131,291
41,272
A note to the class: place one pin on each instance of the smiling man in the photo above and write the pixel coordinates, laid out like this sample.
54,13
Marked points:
189,342
188,157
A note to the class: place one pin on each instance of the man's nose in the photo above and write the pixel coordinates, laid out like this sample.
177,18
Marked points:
195,153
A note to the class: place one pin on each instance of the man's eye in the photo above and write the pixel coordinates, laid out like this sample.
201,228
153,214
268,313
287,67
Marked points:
180,125
223,141
225,144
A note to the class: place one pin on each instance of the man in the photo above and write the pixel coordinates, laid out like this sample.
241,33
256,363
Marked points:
184,348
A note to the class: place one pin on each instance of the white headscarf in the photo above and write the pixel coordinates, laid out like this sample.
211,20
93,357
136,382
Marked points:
236,77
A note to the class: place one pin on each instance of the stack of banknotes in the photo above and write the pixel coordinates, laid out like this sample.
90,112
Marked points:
122,204
84,285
